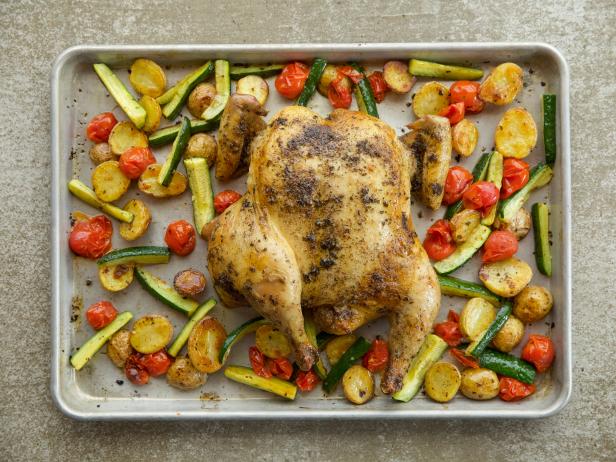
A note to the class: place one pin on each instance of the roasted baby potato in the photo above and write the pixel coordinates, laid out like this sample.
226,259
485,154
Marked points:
476,317
430,99
442,381
397,77
100,153
330,73
141,221
255,86
201,98
119,347
358,384
202,145
519,224
115,278
148,183
189,282
516,133
502,85
510,335
533,303
272,342
151,333
479,384
147,77
463,223
183,375
464,136
153,113
336,347
109,182
506,278
125,135
204,344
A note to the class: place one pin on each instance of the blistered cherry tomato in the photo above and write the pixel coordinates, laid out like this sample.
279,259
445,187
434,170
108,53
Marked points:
338,95
280,367
257,362
306,380
224,199
100,127
135,371
450,330
481,196
466,361
290,82
501,245
514,390
181,237
454,112
516,173
91,238
134,161
377,356
539,351
351,73
378,85
100,314
457,182
467,92
439,241
156,363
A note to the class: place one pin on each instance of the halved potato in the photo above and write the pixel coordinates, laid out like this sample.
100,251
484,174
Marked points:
330,73
204,344
272,342
464,136
125,135
516,133
476,317
100,153
183,375
533,303
141,221
336,347
464,223
200,99
119,347
151,333
510,335
147,77
358,384
506,278
518,225
255,86
148,183
202,145
109,182
153,113
479,384
442,381
502,85
115,278
397,77
189,282
430,99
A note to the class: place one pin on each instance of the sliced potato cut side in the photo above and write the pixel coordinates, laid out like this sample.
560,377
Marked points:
125,135
476,317
148,183
442,381
255,86
397,77
153,113
516,133
147,77
141,221
358,384
115,278
272,342
430,99
464,223
205,343
151,333
479,384
464,137
502,85
109,182
506,278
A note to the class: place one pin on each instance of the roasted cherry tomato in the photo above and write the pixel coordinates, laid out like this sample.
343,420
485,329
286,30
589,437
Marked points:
539,351
501,245
181,237
91,238
514,390
457,182
466,361
100,126
454,112
377,356
100,314
439,241
306,381
450,330
280,367
156,363
135,371
378,85
351,73
516,173
338,95
467,92
134,161
224,199
290,82
480,196
258,363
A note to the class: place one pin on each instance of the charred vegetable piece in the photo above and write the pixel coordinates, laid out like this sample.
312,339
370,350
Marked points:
506,278
189,283
502,85
141,221
204,344
183,375
115,278
109,182
148,183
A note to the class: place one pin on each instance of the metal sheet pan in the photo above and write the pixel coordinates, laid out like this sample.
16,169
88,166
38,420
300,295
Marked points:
97,392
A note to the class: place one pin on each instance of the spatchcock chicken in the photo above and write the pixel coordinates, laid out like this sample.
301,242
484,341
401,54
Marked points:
324,227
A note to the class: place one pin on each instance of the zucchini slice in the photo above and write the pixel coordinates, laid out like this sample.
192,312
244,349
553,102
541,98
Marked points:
478,346
236,72
464,251
273,385
125,100
368,101
81,191
421,68
238,334
165,293
429,353
459,288
143,255
202,192
223,91
316,70
182,90
94,343
543,255
540,175
495,176
197,316
479,173
168,134
549,128
507,365
311,331
177,150
355,352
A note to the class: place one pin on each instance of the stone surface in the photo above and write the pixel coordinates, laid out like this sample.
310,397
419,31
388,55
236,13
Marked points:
33,33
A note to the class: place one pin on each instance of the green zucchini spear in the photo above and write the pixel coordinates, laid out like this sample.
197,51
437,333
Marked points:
316,70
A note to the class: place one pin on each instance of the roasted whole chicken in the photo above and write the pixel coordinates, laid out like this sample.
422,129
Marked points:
324,227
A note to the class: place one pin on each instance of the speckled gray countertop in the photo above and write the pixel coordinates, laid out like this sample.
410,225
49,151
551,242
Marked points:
33,33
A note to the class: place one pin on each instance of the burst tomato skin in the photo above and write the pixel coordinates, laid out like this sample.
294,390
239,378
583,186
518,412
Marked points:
306,380
225,199
338,95
258,363
539,351
351,73
378,85
466,361
454,112
91,238
450,330
100,127
100,314
439,243
135,371
457,182
467,92
181,237
377,356
156,363
280,367
516,174
514,390
501,245
290,82
481,196
134,161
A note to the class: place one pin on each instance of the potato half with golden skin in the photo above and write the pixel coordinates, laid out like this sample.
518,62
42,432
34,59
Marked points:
183,375
202,145
533,304
506,278
101,152
119,347
358,384
200,99
510,335
516,133
189,282
430,99
479,384
502,85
